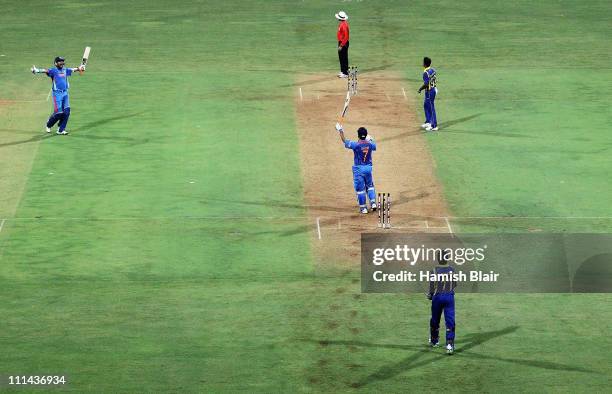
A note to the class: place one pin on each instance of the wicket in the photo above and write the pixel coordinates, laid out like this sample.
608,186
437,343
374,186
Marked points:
384,210
352,80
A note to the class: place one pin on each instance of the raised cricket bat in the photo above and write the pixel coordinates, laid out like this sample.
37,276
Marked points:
85,57
347,100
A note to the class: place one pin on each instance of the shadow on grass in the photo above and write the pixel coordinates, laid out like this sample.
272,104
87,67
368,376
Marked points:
424,355
87,126
37,137
332,76
443,126
404,198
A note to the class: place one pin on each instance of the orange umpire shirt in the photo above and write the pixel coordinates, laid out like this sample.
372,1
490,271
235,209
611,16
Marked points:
343,33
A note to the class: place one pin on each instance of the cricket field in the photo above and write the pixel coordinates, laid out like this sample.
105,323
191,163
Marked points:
197,230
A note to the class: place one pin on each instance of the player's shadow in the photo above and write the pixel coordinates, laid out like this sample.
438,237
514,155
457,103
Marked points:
326,79
404,198
102,122
420,357
443,127
35,138
86,126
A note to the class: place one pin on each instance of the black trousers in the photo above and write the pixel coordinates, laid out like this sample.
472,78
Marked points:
343,56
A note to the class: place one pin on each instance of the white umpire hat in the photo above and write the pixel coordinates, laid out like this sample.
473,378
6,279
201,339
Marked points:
341,16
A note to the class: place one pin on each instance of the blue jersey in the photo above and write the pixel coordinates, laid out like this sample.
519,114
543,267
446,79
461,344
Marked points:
430,78
59,77
362,150
444,283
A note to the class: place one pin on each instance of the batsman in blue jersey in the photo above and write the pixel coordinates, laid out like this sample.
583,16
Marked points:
430,78
362,166
442,286
59,89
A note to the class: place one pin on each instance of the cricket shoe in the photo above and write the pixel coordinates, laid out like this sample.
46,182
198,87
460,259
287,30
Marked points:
429,128
425,125
374,206
450,349
63,132
434,128
433,344
342,75
48,129
364,210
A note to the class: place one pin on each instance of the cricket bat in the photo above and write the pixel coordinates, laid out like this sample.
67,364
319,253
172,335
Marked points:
85,57
347,100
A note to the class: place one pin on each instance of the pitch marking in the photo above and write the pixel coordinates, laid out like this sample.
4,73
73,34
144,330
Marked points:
450,230
319,227
2,224
404,92
301,96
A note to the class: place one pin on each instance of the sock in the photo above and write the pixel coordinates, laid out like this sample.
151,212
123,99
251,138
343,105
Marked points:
361,198
372,195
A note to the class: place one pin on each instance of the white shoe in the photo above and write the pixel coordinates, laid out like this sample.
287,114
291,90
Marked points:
433,344
48,129
342,75
428,128
434,128
374,206
425,125
450,349
61,132
364,210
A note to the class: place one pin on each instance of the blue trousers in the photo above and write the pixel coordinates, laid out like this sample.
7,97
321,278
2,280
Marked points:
61,110
430,108
443,303
363,183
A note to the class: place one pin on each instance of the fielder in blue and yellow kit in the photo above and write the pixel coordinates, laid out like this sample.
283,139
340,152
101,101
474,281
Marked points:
362,166
430,86
442,296
59,89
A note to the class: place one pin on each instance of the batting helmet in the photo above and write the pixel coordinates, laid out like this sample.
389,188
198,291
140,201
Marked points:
362,133
59,59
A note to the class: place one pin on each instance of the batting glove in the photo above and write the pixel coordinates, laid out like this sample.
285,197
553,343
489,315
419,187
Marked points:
34,70
369,138
81,67
339,127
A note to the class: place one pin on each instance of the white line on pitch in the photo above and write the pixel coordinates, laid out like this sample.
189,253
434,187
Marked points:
404,92
2,224
301,96
319,227
49,95
448,224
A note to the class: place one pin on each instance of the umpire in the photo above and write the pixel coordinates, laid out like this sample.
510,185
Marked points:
442,296
343,43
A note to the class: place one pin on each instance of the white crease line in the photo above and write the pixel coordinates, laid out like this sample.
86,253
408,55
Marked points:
404,92
448,224
301,96
2,224
319,227
426,221
49,95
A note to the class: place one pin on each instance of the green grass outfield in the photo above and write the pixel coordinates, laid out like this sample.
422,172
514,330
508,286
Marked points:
132,257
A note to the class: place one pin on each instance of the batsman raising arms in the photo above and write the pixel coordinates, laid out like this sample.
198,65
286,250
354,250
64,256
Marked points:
59,89
362,166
